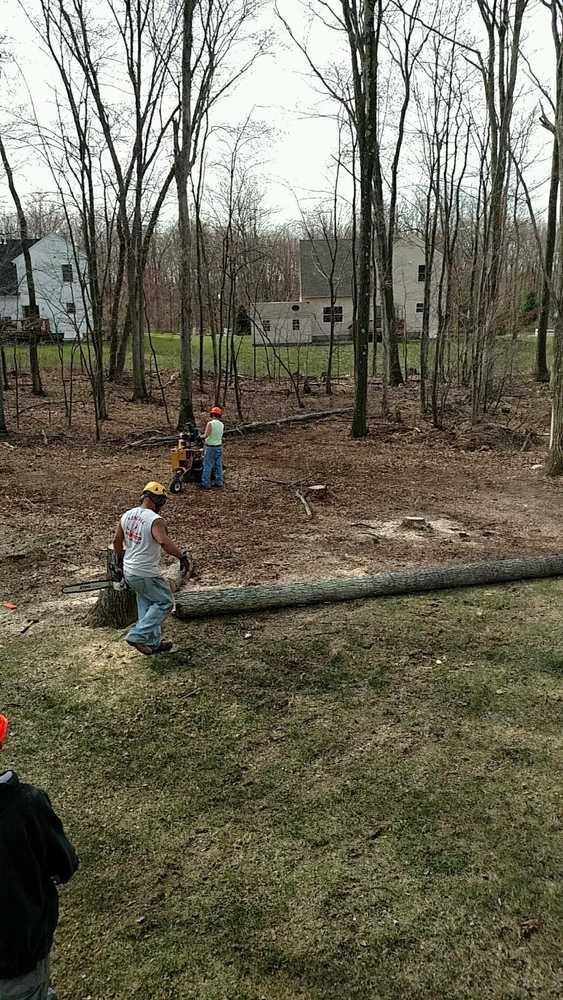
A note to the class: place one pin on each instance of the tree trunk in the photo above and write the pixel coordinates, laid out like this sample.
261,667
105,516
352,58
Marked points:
186,414
36,383
365,77
361,330
3,427
542,370
114,339
394,373
182,154
206,603
328,381
122,348
32,309
5,379
137,326
114,608
554,464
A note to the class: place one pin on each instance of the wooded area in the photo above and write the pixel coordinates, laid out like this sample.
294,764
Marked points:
166,201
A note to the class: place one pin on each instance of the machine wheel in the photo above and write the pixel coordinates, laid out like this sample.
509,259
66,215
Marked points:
175,486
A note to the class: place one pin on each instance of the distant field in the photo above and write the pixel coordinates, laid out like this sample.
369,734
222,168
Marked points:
308,359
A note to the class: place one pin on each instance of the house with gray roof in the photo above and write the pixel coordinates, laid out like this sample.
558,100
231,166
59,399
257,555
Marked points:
327,266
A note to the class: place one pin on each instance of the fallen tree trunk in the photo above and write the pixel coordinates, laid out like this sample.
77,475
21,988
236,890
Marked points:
257,427
206,603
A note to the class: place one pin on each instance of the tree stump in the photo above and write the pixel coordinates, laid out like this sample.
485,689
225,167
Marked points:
415,524
114,608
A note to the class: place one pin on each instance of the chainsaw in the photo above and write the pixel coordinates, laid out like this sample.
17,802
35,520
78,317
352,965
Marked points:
88,585
117,581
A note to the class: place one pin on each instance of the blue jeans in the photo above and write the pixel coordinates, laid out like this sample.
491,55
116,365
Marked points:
212,465
154,603
33,986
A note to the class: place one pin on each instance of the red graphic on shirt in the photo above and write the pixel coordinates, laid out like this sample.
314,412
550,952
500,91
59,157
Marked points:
134,529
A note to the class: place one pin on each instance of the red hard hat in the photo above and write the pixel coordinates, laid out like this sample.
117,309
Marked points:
217,410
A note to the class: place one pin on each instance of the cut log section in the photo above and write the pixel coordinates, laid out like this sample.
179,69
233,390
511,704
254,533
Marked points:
207,603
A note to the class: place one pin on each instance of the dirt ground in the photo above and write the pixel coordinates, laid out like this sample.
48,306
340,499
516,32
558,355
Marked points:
481,489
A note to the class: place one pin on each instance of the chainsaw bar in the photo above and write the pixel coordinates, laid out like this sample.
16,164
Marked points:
89,585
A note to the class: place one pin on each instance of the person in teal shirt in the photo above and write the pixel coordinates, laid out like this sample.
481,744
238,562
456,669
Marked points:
213,457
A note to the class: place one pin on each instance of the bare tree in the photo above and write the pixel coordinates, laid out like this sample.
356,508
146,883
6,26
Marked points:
31,311
135,131
404,43
363,32
554,466
323,227
503,21
542,371
206,74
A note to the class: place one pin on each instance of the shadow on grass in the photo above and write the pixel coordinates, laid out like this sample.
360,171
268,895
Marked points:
169,663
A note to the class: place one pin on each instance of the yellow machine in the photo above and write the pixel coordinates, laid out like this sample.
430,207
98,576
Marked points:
186,459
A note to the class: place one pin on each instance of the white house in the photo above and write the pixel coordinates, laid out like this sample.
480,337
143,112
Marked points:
307,320
58,288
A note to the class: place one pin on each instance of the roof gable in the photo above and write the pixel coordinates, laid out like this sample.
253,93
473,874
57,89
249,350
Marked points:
318,259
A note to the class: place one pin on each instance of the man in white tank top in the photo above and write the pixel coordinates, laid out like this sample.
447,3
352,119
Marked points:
140,537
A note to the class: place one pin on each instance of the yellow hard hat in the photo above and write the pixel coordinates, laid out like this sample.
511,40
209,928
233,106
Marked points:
157,489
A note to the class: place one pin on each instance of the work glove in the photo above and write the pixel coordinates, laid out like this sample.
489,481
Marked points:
185,563
118,558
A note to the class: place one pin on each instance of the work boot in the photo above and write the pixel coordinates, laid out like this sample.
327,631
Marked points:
141,647
164,647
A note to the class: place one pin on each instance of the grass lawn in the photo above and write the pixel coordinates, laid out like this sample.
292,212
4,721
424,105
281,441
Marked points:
358,801
309,359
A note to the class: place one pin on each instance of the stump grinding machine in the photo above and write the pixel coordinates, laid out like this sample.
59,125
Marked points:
186,459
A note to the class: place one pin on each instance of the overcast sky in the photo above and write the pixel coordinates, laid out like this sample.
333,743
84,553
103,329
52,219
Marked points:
278,89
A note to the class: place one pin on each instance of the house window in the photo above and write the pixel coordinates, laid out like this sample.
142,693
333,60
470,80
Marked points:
296,324
422,272
327,311
266,326
420,307
70,308
67,272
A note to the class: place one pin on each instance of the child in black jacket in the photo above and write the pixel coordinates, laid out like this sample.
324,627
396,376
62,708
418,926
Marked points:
35,856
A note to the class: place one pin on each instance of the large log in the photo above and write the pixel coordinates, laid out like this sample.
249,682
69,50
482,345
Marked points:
207,603
258,426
